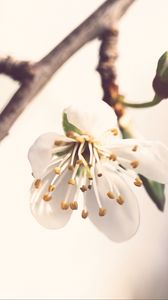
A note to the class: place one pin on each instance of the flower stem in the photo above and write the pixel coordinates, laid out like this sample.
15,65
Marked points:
156,100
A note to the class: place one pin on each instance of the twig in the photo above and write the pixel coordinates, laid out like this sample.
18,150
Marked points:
101,21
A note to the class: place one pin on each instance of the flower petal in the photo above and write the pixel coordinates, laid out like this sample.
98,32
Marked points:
93,119
49,213
121,221
152,158
40,152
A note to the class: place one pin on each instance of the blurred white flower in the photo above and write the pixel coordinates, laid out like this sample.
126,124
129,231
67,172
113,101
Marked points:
94,161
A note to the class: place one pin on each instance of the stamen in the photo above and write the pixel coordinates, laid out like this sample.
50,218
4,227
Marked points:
74,205
84,214
47,197
64,205
57,170
91,154
120,200
38,183
113,157
135,148
99,168
72,181
114,131
51,188
71,166
102,212
135,164
81,156
83,188
138,182
110,195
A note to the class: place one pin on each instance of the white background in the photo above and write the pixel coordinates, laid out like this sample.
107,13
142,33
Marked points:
78,261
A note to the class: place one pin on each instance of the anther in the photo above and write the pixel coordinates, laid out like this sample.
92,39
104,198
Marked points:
70,167
84,214
79,139
59,143
99,174
79,162
114,131
51,188
83,188
57,170
89,186
64,205
113,157
135,148
70,134
72,181
120,200
138,182
38,183
135,164
102,212
47,197
110,195
74,205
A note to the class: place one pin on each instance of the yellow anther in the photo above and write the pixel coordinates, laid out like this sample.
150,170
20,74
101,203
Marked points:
135,164
38,183
113,157
59,143
71,167
135,148
79,139
102,212
138,181
120,200
51,188
74,205
72,181
79,162
84,214
57,170
114,131
47,197
83,188
110,195
64,205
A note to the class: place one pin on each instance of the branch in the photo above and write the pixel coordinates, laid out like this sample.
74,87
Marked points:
102,20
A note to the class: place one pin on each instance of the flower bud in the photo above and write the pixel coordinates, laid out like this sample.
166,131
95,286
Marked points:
160,82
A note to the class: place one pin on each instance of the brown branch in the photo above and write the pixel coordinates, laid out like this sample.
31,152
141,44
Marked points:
107,70
102,20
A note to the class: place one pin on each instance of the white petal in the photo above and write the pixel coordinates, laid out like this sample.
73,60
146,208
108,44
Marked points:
40,152
152,157
49,214
121,221
94,118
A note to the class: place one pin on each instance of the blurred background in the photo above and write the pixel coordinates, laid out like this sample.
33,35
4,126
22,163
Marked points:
78,262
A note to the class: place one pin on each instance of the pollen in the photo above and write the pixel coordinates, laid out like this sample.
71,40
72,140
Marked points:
57,170
102,211
114,131
51,188
135,148
64,205
138,182
83,188
74,205
110,195
113,157
120,200
47,197
135,164
84,214
72,181
38,183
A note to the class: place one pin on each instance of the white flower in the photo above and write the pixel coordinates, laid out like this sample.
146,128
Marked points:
94,161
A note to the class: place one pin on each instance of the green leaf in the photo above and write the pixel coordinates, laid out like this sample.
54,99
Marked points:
154,189
68,126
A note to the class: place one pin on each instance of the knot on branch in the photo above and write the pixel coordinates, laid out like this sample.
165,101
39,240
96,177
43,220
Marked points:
17,70
106,67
